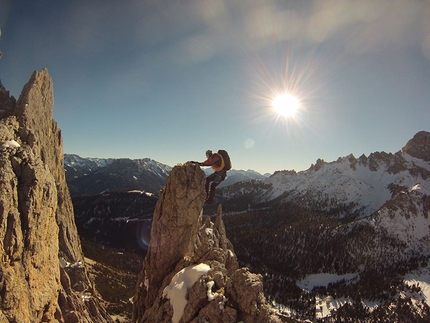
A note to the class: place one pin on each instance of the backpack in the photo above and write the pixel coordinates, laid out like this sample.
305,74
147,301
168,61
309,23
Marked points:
226,157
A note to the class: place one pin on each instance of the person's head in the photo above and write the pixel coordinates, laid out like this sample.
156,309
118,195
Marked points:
208,153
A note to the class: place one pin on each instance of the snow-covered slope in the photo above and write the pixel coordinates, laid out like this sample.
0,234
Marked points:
406,218
361,185
353,235
77,166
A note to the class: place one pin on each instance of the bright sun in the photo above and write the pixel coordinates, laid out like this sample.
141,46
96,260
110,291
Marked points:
285,105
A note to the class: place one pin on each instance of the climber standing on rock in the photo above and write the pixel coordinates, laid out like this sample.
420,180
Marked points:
220,163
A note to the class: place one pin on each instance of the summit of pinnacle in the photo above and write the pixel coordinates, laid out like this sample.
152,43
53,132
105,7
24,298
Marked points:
191,272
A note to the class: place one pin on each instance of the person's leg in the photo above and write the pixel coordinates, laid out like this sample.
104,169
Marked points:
209,179
217,179
211,196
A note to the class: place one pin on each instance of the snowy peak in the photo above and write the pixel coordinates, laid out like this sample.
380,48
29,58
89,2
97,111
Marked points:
349,186
78,161
364,184
76,166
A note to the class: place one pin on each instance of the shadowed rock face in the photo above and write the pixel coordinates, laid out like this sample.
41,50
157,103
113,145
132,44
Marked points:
43,278
419,146
180,239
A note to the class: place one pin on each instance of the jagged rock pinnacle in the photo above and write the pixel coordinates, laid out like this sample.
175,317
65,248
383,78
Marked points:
43,277
182,243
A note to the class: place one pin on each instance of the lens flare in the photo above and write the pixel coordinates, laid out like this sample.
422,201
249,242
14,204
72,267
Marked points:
143,233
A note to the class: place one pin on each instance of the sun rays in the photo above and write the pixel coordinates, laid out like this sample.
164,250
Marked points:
281,91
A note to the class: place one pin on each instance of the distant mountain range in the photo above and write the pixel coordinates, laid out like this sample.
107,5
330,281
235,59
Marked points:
86,176
349,187
363,222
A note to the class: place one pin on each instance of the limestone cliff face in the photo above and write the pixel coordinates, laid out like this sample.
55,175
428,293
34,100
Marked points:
42,276
180,240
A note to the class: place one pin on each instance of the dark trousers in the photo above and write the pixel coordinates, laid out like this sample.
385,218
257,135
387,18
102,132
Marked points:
215,178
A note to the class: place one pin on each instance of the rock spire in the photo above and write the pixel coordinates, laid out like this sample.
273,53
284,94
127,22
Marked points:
43,277
191,273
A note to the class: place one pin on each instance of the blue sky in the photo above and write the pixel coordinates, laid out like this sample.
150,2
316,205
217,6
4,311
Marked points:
170,79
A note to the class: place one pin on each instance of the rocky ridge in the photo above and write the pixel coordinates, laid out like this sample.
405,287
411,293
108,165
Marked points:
43,278
183,242
349,187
